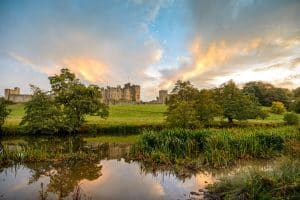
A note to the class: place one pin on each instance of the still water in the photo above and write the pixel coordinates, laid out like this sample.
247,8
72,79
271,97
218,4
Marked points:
111,176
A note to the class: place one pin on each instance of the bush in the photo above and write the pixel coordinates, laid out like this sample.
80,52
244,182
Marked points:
291,118
296,106
263,114
277,107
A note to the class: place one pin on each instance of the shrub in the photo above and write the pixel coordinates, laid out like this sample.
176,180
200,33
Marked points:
291,118
277,107
263,114
296,107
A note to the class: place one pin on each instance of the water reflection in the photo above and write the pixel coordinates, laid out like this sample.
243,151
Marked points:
106,173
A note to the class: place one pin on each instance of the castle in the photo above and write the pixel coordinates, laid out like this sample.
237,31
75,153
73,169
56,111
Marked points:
162,96
128,94
15,96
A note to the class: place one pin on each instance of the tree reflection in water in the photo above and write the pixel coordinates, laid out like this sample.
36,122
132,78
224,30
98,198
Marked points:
66,174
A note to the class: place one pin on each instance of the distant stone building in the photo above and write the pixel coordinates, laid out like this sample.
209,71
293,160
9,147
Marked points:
14,95
162,96
128,94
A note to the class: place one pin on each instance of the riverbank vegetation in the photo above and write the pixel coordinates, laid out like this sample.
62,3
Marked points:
214,147
280,182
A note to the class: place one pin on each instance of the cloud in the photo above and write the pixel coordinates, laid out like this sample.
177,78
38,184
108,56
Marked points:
100,41
241,40
151,43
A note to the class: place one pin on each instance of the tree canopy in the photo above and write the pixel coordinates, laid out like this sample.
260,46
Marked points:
236,104
4,112
69,101
42,114
266,93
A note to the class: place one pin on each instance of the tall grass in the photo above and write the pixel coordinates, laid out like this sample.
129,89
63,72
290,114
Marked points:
281,182
215,147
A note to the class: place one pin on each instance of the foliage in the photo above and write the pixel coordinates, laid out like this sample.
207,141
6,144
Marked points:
277,107
266,93
190,108
76,99
42,115
182,115
4,112
181,105
296,92
291,118
295,106
206,107
281,182
215,147
263,114
235,104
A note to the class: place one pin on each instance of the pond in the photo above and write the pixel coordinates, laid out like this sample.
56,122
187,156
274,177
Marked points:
112,175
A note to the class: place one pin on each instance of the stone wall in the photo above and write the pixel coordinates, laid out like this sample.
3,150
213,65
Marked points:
15,91
15,96
19,98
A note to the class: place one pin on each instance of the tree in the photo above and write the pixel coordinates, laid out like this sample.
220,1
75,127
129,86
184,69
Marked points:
76,99
206,107
189,108
266,93
181,105
277,107
183,115
42,114
291,118
296,92
236,104
4,112
296,106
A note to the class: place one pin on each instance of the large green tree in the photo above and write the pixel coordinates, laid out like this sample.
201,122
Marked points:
76,99
236,104
4,112
190,108
207,107
181,105
266,93
42,114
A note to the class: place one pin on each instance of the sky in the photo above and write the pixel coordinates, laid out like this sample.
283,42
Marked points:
152,43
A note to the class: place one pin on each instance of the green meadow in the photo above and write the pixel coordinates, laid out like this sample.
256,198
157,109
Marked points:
119,115
131,115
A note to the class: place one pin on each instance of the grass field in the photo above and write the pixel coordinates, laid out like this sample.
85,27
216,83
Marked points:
130,115
134,115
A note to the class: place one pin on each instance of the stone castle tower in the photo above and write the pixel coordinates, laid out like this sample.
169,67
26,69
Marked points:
14,95
162,96
128,94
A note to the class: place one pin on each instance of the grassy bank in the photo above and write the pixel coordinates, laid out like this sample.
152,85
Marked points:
125,114
281,182
214,147
123,119
127,119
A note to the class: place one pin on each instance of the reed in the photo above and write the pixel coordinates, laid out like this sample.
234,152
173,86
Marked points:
215,147
281,182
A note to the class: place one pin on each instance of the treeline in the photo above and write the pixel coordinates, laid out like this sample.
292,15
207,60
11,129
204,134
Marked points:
62,109
189,107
